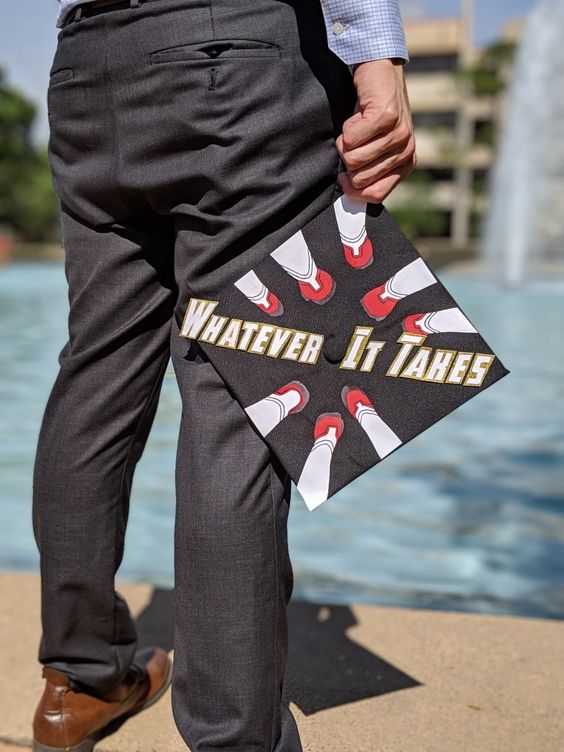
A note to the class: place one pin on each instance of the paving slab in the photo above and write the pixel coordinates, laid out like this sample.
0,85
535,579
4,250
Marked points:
360,678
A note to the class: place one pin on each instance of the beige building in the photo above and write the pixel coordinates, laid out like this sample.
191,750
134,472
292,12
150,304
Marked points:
447,119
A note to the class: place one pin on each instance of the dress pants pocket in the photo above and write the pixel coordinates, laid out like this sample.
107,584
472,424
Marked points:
216,49
63,74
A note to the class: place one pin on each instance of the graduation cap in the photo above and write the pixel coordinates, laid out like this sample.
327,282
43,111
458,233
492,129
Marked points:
341,345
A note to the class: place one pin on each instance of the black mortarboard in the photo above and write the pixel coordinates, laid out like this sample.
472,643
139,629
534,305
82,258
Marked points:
341,345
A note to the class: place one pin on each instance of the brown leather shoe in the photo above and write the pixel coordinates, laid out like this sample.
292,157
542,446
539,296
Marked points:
67,720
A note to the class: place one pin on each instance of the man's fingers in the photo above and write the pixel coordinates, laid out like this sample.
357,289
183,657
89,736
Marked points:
380,167
378,147
376,192
379,157
369,124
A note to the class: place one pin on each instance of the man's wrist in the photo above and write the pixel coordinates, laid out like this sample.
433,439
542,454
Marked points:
394,60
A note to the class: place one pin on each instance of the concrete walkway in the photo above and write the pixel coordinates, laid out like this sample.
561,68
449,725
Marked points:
360,678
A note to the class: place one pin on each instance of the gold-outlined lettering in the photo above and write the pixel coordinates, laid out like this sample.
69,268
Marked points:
213,328
357,343
249,329
459,367
434,365
312,349
437,363
482,361
231,334
417,366
408,342
373,348
196,315
278,340
295,345
261,339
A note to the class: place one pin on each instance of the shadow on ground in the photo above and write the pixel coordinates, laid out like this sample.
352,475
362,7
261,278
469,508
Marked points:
325,668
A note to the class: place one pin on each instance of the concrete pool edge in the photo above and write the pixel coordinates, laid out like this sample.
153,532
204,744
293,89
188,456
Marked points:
364,678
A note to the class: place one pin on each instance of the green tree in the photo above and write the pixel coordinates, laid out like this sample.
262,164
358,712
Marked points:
489,74
28,203
418,216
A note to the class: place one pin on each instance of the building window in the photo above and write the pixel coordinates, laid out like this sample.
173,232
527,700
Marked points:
441,174
433,64
484,132
434,120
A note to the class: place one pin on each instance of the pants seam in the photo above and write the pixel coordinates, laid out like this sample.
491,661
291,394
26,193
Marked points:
212,19
276,701
140,421
337,190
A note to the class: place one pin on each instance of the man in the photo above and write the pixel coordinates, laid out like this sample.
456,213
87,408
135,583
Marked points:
186,137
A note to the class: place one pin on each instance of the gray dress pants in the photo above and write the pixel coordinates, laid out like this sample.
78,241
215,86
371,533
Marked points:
185,135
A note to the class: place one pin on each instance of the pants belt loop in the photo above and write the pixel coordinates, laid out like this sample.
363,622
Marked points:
134,3
78,13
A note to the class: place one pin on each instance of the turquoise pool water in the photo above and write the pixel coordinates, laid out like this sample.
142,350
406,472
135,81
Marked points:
468,516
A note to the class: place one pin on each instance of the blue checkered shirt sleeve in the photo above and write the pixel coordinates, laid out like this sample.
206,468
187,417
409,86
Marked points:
361,30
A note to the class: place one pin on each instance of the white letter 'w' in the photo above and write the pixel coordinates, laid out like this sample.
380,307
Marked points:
197,313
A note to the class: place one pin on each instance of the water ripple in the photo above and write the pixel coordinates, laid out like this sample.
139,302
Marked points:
468,516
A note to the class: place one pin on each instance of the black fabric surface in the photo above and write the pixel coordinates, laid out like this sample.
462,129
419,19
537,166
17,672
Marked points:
407,405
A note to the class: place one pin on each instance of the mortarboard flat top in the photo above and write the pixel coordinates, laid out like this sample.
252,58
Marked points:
341,345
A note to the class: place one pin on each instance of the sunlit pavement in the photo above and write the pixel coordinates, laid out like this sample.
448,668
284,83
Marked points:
360,678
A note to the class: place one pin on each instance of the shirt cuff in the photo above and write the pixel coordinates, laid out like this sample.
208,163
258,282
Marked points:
362,31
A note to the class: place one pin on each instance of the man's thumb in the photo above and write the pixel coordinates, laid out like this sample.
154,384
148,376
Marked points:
356,130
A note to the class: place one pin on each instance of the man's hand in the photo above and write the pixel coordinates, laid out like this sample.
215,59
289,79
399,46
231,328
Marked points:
377,144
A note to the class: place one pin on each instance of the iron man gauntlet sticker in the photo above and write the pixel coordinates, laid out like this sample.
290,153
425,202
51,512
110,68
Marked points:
341,345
